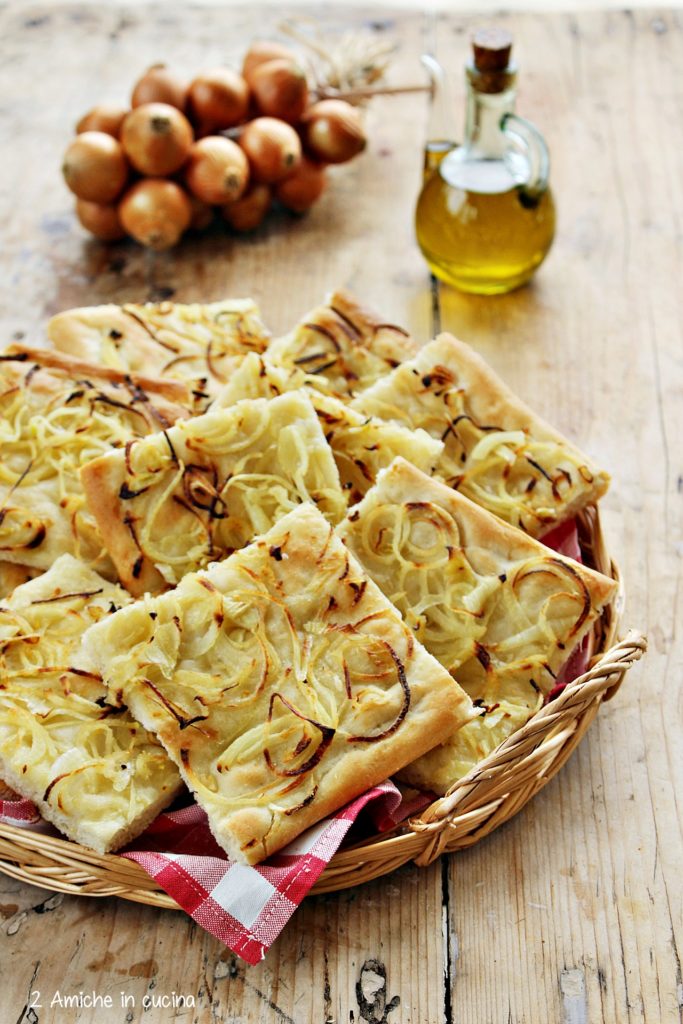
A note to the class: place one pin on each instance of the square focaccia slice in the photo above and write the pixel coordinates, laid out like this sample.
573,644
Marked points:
175,502
497,608
91,769
497,451
56,414
281,681
199,344
343,346
361,445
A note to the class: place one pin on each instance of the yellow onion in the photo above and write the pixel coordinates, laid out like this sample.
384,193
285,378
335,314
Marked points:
159,85
279,89
332,131
298,191
261,52
155,212
100,219
218,98
272,147
156,138
248,212
217,170
94,167
106,117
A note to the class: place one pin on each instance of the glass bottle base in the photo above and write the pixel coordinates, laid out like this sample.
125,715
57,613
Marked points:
480,281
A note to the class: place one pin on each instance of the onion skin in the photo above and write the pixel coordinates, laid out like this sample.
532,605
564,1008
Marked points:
248,212
279,89
95,168
106,117
202,214
332,131
156,138
261,52
217,170
301,189
218,99
101,220
272,147
156,212
160,85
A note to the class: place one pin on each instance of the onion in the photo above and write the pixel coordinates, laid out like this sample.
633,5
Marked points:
273,149
100,219
155,212
106,118
332,131
217,171
249,211
261,52
159,85
202,214
218,99
94,167
280,89
300,190
156,138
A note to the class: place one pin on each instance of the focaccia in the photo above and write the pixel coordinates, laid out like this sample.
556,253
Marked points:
170,504
343,346
361,445
56,414
13,575
497,608
281,681
201,344
91,769
497,451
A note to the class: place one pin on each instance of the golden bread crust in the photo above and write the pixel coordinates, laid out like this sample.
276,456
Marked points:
91,771
497,608
498,452
171,504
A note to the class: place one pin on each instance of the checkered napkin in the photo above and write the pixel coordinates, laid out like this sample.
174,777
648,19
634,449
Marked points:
245,907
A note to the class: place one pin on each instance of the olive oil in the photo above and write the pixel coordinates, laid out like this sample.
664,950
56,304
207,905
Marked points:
485,217
483,241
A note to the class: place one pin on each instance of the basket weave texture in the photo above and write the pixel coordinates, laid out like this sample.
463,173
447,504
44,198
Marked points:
495,790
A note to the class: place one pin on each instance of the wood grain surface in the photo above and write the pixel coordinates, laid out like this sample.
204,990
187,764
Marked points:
572,912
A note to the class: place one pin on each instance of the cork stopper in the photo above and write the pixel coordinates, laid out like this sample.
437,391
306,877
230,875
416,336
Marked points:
492,48
492,70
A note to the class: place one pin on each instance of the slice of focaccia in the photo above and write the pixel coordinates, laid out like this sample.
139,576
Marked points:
362,445
201,344
170,504
281,682
90,768
343,346
497,608
57,413
497,451
13,575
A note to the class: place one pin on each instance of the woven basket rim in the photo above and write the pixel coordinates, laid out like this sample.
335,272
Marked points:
496,788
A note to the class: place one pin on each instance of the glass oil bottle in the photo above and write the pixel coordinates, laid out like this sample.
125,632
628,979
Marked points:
485,217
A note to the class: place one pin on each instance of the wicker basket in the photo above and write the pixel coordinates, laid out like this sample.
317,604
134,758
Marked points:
496,789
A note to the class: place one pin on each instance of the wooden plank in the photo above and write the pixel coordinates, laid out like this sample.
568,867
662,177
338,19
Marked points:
573,911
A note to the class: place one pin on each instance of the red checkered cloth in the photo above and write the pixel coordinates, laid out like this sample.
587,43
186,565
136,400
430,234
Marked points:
245,907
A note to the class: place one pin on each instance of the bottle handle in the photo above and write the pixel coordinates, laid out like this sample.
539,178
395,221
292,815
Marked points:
527,139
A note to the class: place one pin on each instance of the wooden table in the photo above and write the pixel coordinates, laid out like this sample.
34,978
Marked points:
572,912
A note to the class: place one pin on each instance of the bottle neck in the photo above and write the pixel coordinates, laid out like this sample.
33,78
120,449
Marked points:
484,137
